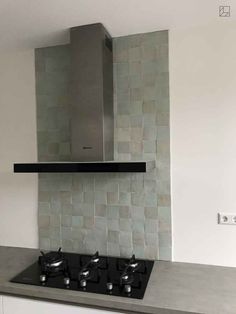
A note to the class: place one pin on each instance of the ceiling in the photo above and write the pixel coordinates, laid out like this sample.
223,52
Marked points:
38,23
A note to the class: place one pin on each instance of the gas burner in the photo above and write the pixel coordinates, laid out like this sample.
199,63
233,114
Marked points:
133,264
88,270
126,278
85,273
52,263
95,258
94,262
52,259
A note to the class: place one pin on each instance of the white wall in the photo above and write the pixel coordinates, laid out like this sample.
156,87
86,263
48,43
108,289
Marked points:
203,142
18,192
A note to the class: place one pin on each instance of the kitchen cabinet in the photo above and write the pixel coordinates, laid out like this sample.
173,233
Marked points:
15,305
1,310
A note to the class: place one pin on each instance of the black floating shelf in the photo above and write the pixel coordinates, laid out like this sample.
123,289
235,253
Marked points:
111,166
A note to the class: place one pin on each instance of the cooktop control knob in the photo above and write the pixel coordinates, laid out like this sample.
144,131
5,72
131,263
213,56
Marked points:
83,283
42,278
109,286
127,288
66,281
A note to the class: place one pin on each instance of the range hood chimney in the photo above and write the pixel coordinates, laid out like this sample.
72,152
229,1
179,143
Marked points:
92,124
92,121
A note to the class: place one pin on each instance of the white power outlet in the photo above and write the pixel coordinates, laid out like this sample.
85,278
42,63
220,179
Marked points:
227,218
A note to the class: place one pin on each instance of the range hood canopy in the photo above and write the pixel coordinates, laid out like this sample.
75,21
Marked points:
92,117
106,166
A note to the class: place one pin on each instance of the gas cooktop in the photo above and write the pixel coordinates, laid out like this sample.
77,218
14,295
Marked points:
90,273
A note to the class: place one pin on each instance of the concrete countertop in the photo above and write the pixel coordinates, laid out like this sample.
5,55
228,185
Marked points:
173,288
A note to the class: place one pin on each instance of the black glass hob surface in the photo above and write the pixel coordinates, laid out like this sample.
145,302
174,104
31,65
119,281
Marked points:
89,273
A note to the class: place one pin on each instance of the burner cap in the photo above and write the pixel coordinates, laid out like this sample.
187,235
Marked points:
53,259
95,258
85,273
134,264
127,278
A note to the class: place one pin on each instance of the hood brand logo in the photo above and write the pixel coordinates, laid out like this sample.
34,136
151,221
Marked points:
224,11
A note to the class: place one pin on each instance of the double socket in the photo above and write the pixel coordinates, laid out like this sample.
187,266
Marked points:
227,218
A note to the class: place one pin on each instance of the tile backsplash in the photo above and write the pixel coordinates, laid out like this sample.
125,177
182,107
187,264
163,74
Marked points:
117,214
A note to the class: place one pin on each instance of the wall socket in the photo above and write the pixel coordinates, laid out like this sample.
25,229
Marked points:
227,218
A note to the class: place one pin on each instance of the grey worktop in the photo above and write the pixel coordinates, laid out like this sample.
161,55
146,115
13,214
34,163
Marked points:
172,288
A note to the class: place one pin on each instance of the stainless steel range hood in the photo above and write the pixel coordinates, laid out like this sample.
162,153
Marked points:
92,118
92,125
